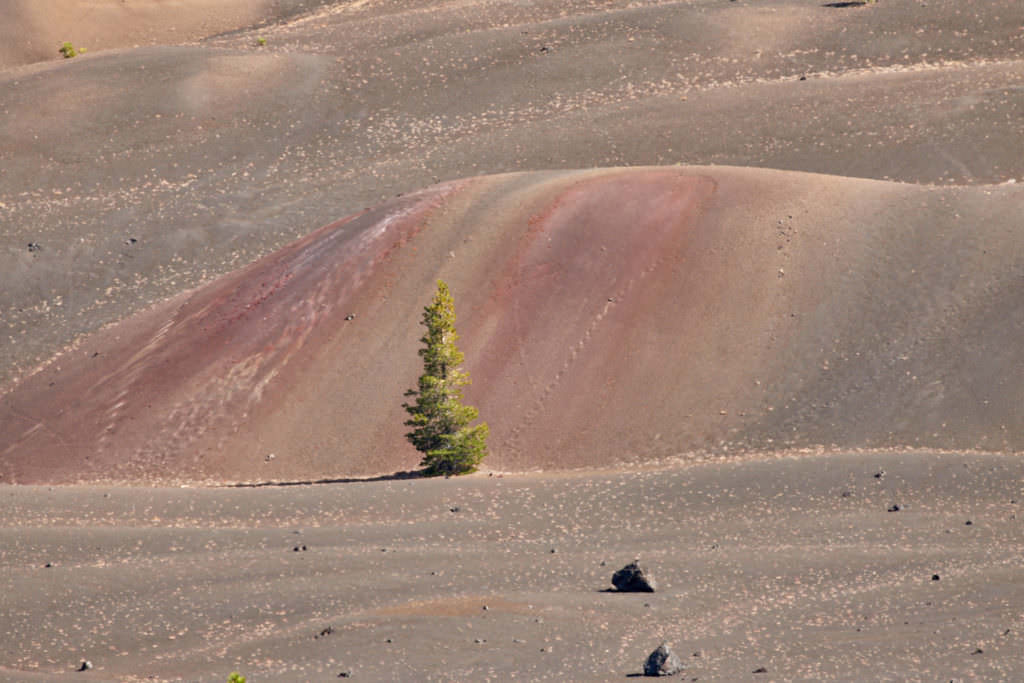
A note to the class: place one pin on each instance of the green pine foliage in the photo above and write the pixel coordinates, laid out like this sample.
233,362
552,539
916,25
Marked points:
439,420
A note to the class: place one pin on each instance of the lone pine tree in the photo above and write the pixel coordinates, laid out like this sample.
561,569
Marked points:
439,420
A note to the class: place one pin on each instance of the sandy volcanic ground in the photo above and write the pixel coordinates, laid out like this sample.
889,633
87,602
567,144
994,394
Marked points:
860,313
214,154
793,565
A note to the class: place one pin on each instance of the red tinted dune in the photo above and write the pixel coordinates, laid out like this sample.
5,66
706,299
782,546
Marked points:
607,316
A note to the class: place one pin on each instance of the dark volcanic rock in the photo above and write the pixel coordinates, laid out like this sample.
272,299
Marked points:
632,579
662,662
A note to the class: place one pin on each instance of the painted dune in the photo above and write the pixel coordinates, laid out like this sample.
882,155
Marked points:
608,316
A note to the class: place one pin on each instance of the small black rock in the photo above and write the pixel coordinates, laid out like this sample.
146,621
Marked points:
85,666
935,577
894,508
662,662
968,523
632,579
760,670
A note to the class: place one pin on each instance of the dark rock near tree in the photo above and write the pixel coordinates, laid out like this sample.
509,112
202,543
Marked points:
662,662
633,579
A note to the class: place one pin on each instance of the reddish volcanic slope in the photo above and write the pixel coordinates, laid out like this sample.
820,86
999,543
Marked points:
607,316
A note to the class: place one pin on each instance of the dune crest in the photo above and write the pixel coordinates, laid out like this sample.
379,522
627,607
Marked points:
32,31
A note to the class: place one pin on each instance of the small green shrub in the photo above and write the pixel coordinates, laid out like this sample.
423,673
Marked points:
236,678
68,50
261,41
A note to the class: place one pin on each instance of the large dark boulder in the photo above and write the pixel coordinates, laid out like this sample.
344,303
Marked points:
633,579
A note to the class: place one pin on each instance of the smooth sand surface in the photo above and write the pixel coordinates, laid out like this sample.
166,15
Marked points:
812,279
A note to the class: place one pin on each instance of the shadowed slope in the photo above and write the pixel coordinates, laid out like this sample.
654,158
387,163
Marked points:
606,316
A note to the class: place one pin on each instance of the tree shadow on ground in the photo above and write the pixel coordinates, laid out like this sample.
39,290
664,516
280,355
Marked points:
397,476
